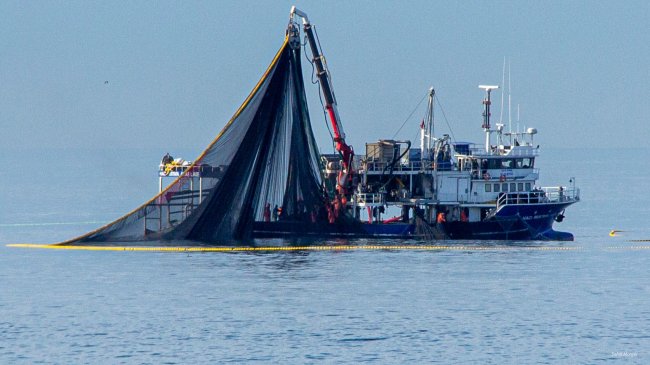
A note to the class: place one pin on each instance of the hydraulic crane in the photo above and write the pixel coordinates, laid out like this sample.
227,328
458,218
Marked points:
323,74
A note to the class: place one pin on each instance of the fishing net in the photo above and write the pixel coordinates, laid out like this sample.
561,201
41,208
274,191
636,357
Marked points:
265,157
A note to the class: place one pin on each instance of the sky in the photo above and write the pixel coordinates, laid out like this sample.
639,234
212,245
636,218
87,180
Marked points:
170,74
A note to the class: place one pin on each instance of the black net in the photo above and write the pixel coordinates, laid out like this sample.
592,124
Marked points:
264,164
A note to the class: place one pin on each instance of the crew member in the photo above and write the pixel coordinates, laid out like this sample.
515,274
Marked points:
336,206
314,214
330,214
463,215
441,218
267,212
275,213
167,159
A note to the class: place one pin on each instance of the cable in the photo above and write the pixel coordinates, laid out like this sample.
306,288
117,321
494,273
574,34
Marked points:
445,116
410,115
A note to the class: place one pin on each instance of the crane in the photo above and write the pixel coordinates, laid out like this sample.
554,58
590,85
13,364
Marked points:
323,74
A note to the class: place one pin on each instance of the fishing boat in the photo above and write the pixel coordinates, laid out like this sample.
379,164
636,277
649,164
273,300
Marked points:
264,176
448,189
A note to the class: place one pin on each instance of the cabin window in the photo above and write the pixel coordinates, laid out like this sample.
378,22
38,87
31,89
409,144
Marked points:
496,187
519,163
504,187
494,163
520,186
527,163
507,164
488,188
513,187
527,186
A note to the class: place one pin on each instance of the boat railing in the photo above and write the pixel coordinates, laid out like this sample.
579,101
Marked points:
170,170
413,165
369,199
498,174
555,194
477,151
176,170
562,194
374,166
497,151
523,152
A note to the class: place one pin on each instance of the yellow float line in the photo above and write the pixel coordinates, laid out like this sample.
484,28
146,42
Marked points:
288,248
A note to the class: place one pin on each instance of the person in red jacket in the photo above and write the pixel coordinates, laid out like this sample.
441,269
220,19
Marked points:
267,212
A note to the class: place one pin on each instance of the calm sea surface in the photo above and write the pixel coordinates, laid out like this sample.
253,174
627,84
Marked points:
586,301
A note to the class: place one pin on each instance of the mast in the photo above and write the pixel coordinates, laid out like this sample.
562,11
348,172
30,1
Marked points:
426,130
486,113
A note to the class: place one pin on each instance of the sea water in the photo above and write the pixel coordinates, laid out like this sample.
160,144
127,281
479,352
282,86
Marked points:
586,301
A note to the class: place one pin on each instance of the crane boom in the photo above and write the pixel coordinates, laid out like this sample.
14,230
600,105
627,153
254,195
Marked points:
323,74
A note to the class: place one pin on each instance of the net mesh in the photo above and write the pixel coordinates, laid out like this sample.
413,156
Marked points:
265,157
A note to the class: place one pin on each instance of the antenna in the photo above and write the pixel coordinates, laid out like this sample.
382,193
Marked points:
486,113
487,102
503,82
517,117
509,100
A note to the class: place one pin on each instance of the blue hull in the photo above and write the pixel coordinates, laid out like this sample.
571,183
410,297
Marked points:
516,222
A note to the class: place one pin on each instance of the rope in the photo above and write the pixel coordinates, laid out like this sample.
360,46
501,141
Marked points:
445,117
410,115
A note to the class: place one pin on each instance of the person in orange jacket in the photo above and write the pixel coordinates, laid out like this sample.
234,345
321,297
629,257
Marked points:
441,218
